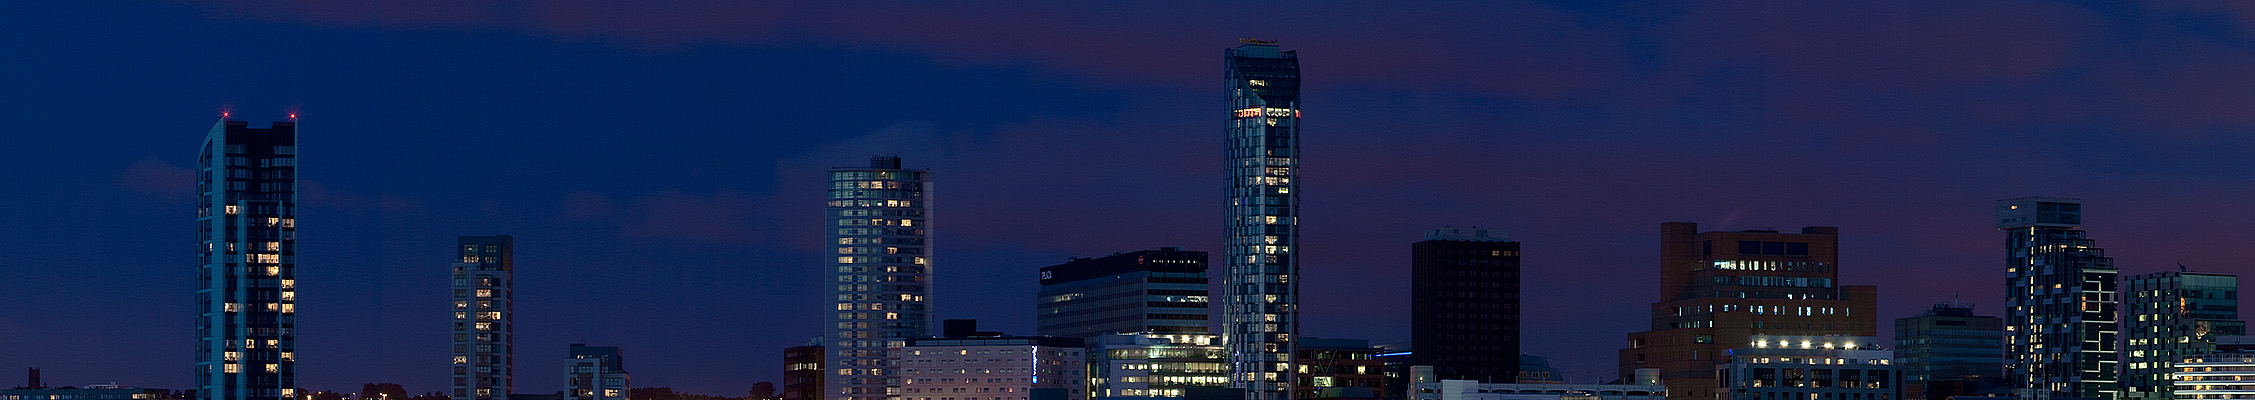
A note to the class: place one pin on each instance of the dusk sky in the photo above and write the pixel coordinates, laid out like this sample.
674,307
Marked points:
661,166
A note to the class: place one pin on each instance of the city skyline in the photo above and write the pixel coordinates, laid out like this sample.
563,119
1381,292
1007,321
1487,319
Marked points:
702,237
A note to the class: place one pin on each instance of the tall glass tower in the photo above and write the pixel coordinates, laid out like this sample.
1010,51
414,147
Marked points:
2061,319
882,273
246,296
1261,315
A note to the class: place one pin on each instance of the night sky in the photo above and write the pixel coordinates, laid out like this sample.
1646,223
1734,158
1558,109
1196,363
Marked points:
662,165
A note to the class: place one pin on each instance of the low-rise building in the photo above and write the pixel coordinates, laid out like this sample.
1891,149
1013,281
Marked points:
1156,364
964,364
597,373
1339,368
2217,376
1808,368
89,392
1424,387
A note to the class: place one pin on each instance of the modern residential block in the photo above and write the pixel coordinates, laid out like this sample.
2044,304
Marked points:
484,311
882,268
2172,315
597,373
246,281
2062,320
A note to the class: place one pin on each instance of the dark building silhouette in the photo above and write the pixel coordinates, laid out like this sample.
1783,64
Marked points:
1718,290
2061,301
1464,304
1339,368
1260,315
1158,291
484,317
1948,351
803,373
246,290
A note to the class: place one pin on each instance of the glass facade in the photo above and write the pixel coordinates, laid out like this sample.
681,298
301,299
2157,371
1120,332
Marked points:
2062,327
246,292
484,309
1156,364
2171,315
1261,315
881,270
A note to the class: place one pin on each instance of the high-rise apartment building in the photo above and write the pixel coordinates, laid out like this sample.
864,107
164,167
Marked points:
882,270
1949,351
2172,315
1464,304
597,373
2061,321
484,308
1721,289
1261,314
246,286
1157,291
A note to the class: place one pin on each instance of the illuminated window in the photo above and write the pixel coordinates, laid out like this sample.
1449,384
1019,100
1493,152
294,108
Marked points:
230,211
232,368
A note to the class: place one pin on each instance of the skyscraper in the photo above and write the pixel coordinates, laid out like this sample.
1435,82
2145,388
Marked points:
1948,351
246,296
1156,291
1261,313
879,226
484,311
2061,322
1723,290
2172,315
1464,305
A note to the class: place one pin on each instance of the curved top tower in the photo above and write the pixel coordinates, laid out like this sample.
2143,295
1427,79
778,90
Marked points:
1261,314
